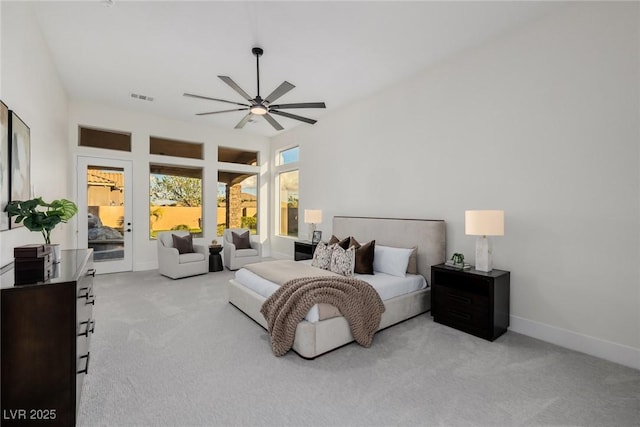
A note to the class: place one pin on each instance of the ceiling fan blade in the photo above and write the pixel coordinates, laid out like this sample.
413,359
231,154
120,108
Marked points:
213,99
300,105
293,116
280,90
273,122
223,111
243,122
235,87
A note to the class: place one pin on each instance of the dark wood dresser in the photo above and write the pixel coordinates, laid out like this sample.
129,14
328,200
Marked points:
472,301
46,331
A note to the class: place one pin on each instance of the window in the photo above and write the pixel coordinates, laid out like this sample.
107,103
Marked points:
289,203
175,199
290,155
237,201
110,140
287,183
237,193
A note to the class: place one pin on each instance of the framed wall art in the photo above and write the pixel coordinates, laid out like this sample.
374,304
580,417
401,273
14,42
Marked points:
4,165
20,163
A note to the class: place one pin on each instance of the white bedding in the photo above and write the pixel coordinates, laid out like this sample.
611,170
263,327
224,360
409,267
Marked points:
386,285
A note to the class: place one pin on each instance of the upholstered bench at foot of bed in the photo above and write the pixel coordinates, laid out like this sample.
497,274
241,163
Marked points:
314,339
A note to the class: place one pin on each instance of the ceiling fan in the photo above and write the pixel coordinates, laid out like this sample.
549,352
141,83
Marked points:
259,106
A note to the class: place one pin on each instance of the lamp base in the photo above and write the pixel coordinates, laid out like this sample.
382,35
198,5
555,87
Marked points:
484,254
312,229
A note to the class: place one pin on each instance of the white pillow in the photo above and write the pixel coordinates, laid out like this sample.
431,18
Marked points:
391,261
322,256
343,261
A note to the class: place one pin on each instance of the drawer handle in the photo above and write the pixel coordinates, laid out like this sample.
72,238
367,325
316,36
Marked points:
86,366
91,272
464,300
459,314
89,328
90,302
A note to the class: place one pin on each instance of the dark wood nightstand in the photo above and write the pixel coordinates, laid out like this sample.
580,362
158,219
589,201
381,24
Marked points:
303,250
471,301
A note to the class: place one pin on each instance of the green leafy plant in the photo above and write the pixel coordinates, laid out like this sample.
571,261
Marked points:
38,215
458,259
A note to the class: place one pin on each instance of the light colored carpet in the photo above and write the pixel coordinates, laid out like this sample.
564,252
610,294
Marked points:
176,353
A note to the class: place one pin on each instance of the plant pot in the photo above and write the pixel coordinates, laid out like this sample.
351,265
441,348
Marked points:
55,252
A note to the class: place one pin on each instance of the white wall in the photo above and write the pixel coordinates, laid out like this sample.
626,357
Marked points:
31,86
141,127
543,123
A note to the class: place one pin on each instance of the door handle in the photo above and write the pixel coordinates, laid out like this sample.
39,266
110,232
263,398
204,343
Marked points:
128,230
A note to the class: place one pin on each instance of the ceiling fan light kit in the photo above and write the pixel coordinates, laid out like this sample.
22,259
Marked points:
259,106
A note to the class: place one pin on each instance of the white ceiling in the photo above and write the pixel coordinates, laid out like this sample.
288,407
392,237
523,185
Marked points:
336,52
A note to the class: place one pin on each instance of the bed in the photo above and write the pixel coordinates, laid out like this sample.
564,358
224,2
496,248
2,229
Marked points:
313,338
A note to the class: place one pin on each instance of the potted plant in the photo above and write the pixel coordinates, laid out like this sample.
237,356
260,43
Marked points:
38,215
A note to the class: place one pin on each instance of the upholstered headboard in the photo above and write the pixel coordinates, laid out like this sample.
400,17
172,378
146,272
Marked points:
427,235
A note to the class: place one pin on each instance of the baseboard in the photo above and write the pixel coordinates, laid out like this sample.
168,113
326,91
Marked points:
143,266
614,352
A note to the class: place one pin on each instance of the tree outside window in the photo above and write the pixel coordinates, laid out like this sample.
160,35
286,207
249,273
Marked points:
175,199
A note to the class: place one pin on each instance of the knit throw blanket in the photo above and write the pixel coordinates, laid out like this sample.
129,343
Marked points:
358,302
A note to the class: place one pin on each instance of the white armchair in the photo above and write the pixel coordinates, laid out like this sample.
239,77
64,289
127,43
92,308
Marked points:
175,265
235,258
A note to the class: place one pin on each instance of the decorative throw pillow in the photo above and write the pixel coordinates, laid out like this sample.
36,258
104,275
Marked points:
343,261
412,267
364,256
393,261
184,245
322,256
241,241
344,243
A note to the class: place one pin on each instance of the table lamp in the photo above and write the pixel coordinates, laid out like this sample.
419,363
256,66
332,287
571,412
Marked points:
313,217
484,224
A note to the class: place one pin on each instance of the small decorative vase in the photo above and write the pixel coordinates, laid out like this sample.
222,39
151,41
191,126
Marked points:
55,252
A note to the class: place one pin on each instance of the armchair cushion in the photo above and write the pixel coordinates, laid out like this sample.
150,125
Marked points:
190,257
184,245
241,241
246,252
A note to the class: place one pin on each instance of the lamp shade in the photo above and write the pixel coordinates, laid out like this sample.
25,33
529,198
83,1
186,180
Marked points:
312,216
484,223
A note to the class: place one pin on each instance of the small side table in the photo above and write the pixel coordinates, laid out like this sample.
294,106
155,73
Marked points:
472,301
303,250
215,260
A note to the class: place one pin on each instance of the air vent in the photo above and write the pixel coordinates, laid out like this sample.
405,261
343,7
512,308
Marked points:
142,97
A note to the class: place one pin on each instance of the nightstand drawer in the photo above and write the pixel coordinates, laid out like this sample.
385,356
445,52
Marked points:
451,297
464,320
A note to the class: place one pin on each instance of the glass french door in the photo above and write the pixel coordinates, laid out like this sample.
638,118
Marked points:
104,212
